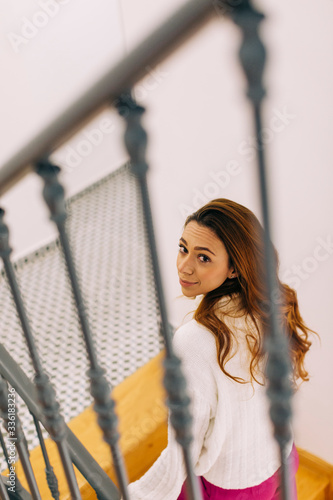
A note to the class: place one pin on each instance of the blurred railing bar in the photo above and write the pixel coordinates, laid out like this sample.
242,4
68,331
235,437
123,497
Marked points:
124,74
19,490
3,490
94,474
4,448
51,478
17,438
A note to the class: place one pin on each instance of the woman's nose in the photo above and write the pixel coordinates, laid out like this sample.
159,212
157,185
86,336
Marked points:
185,265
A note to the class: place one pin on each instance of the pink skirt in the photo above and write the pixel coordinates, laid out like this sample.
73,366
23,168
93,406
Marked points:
268,490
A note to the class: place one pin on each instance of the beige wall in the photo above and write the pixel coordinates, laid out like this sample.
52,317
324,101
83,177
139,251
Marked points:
200,144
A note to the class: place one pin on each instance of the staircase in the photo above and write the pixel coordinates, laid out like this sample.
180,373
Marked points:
140,396
143,428
314,478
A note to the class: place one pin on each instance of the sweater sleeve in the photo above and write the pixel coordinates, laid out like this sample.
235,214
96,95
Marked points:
164,480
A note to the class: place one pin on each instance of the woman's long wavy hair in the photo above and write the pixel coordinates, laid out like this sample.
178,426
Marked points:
242,235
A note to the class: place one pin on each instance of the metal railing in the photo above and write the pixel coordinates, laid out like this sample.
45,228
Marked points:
114,89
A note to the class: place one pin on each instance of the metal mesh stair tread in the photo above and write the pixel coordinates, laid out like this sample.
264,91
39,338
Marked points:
106,229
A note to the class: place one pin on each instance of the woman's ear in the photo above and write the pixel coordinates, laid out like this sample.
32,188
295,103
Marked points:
232,273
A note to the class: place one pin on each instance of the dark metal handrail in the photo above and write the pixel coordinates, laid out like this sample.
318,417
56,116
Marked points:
20,492
3,490
81,458
17,438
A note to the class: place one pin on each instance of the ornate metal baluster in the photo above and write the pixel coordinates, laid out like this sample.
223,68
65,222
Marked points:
51,478
46,393
252,55
16,437
81,458
20,491
174,380
100,389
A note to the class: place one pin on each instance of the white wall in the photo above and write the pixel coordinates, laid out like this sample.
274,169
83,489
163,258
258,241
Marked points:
200,129
199,122
50,52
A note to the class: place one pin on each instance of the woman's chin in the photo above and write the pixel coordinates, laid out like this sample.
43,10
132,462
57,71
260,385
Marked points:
189,293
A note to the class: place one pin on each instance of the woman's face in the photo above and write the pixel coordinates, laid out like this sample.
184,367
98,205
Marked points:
202,262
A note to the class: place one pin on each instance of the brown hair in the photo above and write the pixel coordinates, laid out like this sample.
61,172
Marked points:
242,235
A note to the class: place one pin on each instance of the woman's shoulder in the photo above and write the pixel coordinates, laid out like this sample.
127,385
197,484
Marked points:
196,347
194,338
192,329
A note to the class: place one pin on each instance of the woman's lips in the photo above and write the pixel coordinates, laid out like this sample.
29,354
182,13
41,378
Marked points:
186,283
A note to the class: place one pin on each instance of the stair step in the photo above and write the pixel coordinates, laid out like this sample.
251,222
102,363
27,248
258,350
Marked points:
314,478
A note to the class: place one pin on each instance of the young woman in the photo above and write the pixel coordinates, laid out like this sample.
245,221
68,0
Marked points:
234,453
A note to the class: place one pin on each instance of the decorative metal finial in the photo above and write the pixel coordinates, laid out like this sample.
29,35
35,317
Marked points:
252,52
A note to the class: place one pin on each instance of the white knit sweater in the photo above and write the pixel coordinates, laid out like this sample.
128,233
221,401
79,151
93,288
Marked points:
233,443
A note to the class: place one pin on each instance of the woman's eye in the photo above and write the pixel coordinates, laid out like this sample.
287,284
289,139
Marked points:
204,258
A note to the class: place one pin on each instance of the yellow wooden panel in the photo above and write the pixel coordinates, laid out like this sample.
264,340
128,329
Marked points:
314,477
